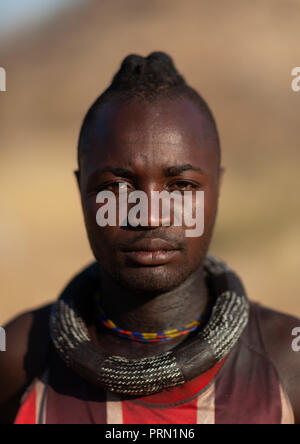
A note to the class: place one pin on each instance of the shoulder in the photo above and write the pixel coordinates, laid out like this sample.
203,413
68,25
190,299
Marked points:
279,332
27,345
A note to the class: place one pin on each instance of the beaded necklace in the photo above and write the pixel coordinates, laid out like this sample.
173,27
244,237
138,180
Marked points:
166,335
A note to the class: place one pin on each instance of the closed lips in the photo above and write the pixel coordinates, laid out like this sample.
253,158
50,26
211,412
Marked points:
151,245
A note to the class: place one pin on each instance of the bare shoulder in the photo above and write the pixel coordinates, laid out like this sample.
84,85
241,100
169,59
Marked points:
27,345
281,334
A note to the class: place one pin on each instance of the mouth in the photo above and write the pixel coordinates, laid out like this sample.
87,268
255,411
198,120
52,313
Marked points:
151,252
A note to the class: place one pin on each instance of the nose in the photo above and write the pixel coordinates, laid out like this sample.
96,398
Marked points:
150,208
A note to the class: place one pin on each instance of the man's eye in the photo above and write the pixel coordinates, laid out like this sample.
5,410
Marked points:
183,186
116,186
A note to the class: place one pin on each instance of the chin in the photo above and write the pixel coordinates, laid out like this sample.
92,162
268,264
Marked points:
150,280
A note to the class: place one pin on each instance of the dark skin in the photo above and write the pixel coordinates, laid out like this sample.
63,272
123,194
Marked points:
152,148
166,145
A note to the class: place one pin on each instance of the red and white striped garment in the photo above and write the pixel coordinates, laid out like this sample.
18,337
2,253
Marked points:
243,388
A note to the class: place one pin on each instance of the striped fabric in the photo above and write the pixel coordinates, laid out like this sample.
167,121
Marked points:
243,388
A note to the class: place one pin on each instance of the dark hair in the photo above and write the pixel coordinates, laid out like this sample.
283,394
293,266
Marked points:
148,79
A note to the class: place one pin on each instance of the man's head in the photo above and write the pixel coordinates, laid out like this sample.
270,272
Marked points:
148,131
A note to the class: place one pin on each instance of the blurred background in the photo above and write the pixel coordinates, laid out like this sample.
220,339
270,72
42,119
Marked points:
60,55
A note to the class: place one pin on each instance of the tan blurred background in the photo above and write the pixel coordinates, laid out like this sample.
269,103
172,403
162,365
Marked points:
238,54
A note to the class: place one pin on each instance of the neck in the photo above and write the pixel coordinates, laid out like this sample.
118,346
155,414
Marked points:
165,311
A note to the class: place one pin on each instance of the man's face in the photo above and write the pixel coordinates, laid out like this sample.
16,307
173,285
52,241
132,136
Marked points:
162,146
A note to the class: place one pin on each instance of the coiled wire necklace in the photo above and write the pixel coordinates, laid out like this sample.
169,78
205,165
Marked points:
145,376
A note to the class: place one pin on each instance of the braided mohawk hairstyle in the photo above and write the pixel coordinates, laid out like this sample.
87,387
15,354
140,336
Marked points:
147,79
147,76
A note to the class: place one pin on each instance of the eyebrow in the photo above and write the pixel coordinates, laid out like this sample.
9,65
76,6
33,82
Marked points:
177,170
118,171
169,171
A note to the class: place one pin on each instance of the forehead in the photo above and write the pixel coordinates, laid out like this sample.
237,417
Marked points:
149,135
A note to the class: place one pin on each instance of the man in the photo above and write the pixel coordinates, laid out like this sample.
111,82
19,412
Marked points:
156,331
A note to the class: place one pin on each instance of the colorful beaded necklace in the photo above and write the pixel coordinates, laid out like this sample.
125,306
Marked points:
166,335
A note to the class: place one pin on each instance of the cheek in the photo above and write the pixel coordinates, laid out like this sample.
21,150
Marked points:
203,208
91,211
210,204
197,246
90,208
101,238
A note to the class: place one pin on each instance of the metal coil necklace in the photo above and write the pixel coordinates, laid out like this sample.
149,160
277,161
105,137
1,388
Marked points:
139,377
